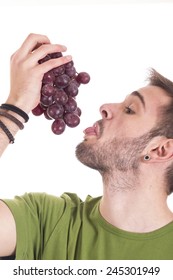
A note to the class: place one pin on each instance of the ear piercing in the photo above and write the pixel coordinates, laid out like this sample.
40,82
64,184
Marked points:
146,157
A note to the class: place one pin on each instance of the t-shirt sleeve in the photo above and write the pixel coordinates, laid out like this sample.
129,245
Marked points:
36,215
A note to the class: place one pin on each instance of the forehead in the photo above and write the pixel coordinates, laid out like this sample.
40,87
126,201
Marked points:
153,96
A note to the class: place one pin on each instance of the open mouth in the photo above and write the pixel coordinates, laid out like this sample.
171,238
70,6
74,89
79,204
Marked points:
92,131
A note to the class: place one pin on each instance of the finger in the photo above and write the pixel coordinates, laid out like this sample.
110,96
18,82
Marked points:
52,63
32,42
43,50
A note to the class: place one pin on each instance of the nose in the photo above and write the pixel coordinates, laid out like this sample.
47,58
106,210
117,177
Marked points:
106,111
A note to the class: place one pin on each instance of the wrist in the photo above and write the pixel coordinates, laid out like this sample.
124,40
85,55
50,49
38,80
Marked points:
15,109
20,103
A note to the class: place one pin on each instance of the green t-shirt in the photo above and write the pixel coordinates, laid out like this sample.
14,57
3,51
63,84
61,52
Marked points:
66,228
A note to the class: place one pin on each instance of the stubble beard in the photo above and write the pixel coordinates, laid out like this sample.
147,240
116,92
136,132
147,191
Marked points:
116,154
118,161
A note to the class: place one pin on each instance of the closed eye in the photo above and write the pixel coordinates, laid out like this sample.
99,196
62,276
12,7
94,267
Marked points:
129,111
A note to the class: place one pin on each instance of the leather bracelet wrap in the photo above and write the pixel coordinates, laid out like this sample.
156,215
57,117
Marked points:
15,110
7,132
12,118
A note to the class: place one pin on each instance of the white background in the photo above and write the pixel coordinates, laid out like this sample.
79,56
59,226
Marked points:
115,42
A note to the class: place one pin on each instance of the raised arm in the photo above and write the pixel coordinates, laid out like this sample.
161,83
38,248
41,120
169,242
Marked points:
26,77
25,85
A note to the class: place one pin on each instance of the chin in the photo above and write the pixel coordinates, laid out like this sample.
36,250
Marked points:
87,155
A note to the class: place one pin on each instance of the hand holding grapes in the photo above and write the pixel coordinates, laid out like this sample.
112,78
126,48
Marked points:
60,86
27,73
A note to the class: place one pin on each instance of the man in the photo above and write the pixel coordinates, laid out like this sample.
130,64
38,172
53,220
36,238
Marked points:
132,148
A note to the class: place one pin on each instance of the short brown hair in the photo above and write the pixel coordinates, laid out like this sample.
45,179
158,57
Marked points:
165,124
156,79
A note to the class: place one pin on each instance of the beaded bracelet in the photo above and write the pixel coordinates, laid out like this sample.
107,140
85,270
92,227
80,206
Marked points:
16,110
13,119
7,132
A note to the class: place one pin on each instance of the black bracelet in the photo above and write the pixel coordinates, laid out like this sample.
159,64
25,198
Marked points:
7,132
16,110
12,118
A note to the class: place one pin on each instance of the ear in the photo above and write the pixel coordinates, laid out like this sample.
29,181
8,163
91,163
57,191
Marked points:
160,149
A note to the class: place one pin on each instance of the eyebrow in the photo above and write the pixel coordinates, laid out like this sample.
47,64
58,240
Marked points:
141,98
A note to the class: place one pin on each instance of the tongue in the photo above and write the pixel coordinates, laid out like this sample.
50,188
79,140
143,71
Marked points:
90,130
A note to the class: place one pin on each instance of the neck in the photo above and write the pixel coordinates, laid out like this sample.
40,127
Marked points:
134,204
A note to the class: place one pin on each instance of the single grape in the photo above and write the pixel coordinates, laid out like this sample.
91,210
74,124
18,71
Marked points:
48,90
60,96
55,111
71,105
38,110
83,78
59,70
72,89
58,126
48,78
62,81
69,64
72,120
78,111
46,100
71,71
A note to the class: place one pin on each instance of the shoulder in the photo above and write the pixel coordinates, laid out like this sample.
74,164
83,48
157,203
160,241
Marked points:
40,203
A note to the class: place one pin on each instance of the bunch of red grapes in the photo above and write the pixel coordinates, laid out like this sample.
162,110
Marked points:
60,86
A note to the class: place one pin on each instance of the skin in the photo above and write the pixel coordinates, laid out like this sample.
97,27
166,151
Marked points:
134,196
134,202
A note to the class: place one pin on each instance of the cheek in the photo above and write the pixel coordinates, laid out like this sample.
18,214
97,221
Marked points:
138,127
128,126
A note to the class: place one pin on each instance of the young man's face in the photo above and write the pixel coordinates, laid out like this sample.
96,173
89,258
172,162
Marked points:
135,116
119,136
